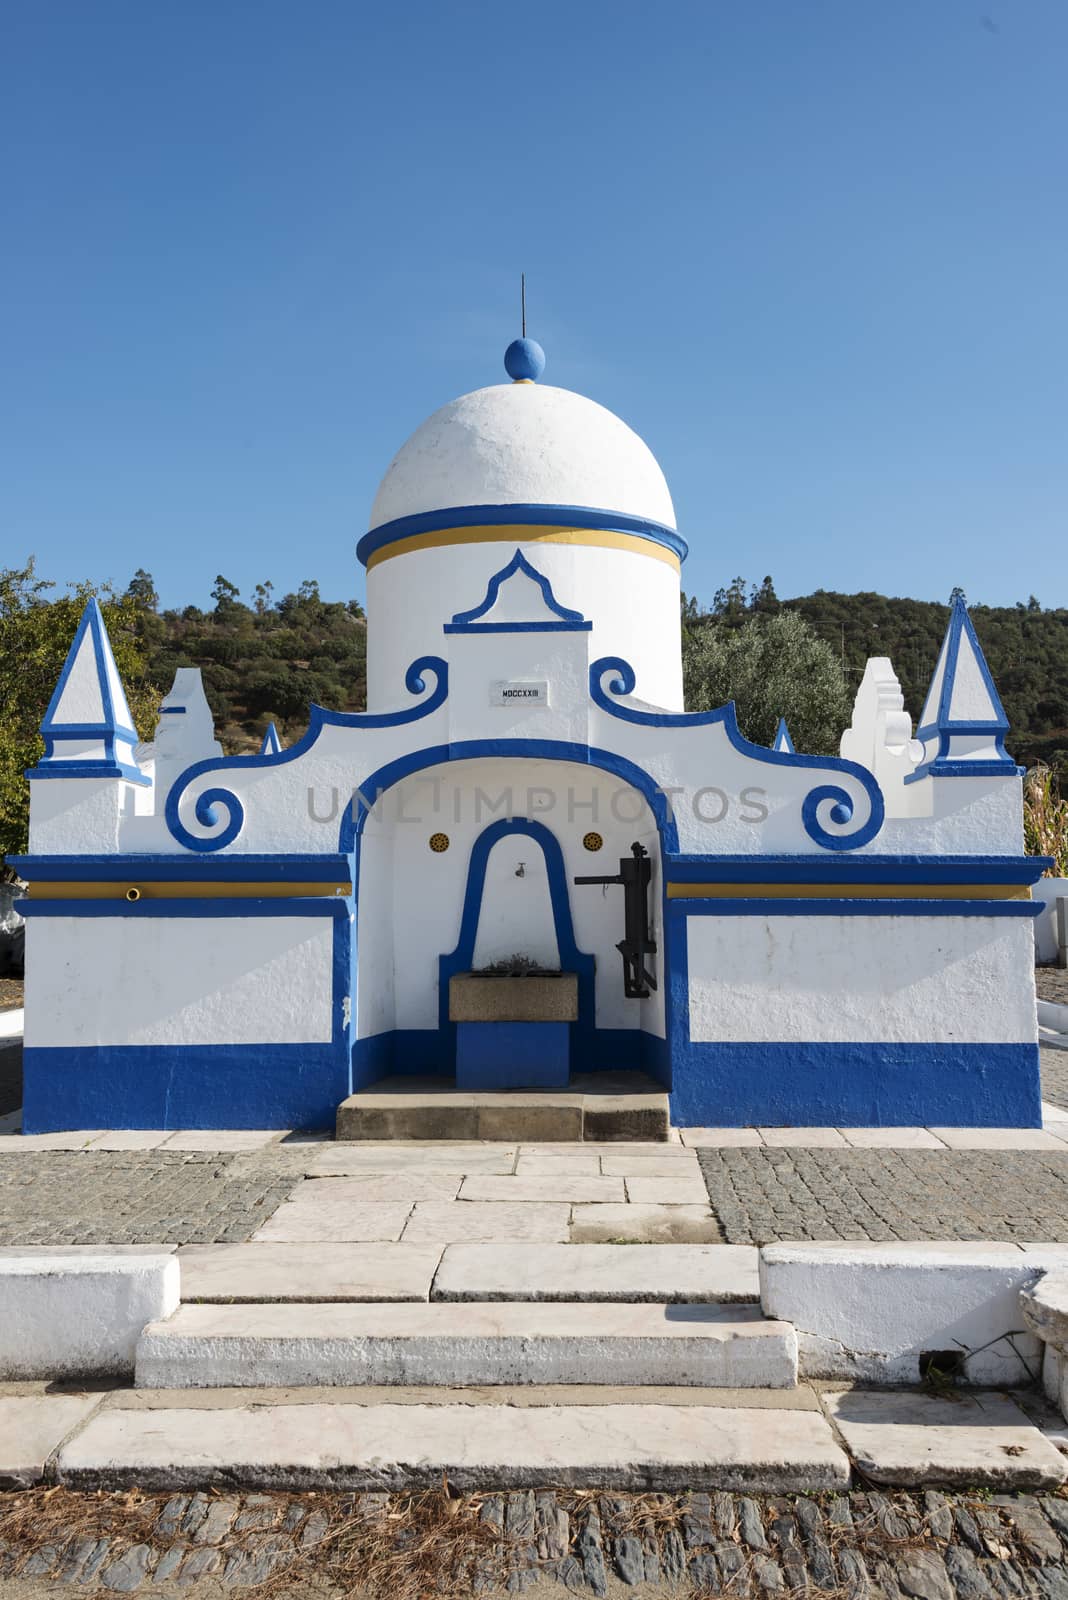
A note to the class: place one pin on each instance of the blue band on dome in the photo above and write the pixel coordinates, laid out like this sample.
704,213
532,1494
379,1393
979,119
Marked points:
518,516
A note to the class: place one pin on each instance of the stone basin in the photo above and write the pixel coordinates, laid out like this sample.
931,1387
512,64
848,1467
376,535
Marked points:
507,997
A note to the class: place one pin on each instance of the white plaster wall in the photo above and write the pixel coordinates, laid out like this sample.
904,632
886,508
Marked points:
505,893
632,600
187,980
417,907
523,443
963,980
478,661
76,816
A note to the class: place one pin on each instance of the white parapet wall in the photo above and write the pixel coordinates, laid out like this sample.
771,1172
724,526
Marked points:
79,1313
873,1312
1048,891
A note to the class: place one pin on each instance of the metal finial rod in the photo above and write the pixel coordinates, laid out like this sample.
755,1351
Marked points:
523,299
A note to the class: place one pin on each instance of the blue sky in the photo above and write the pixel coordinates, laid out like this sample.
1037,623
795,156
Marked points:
814,251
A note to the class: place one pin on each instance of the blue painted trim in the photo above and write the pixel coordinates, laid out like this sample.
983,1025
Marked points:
271,744
426,1052
622,682
179,868
960,623
518,515
512,1055
89,769
714,906
940,767
271,1086
782,740
173,711
204,808
568,621
855,869
253,906
572,959
801,1084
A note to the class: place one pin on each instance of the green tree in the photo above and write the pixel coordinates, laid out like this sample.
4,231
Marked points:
771,665
142,590
36,632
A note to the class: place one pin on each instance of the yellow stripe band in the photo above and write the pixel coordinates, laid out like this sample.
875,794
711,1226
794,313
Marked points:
185,891
523,533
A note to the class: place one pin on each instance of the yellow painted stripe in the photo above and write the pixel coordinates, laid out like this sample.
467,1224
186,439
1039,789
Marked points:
522,533
848,891
184,891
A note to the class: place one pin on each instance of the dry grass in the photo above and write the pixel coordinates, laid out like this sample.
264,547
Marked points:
1046,818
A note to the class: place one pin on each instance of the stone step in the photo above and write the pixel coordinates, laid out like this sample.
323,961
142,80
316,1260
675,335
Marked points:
346,1446
664,1273
213,1346
596,1106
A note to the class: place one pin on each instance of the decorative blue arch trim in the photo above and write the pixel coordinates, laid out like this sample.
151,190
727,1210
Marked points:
568,621
572,959
519,515
204,809
621,682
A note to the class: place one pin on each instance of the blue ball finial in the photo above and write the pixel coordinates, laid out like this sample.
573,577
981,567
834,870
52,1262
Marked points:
524,360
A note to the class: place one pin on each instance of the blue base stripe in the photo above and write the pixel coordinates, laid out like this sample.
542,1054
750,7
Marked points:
183,1086
721,1085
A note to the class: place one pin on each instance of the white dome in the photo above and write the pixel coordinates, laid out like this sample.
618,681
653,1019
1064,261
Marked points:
524,444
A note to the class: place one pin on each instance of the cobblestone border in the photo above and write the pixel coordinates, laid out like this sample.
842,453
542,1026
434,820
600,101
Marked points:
930,1546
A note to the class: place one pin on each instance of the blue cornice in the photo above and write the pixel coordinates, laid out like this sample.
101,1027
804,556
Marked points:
533,516
170,868
855,869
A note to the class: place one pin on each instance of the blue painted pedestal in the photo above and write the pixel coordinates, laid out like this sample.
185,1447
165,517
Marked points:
512,1055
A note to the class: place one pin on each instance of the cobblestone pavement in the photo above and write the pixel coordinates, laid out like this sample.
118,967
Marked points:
138,1197
1051,983
759,1195
886,1546
1055,1076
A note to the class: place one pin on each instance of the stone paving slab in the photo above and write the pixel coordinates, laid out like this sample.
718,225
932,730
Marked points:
907,1438
558,1188
32,1426
320,1219
350,1160
686,1190
644,1224
360,1447
203,1346
307,1272
384,1188
574,1272
450,1221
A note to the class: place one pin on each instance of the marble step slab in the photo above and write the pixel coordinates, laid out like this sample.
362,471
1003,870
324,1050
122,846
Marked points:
666,1273
394,1447
211,1346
